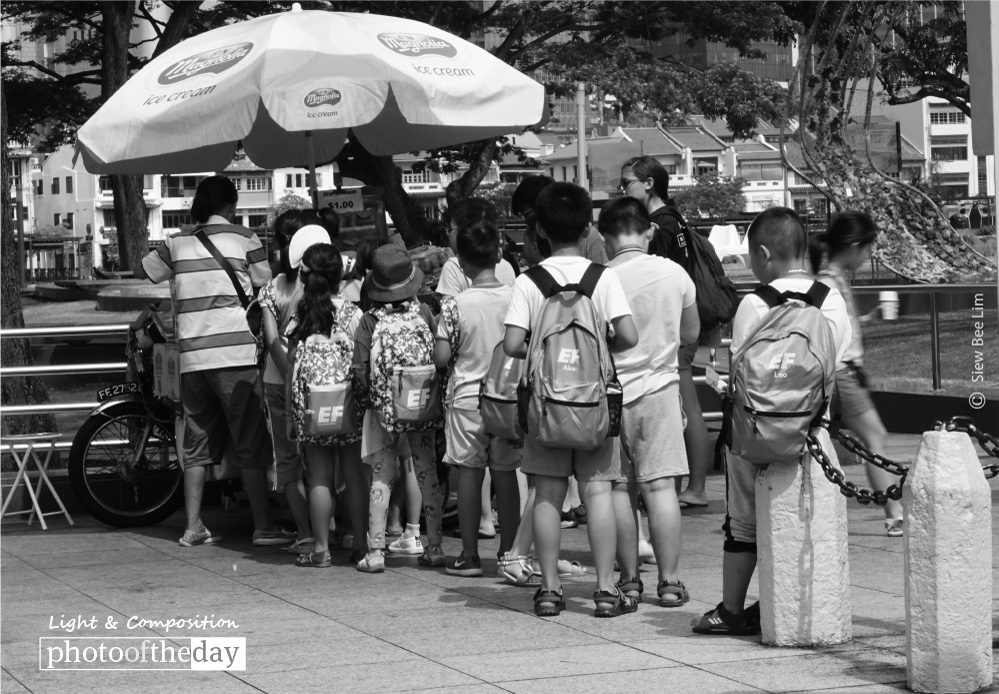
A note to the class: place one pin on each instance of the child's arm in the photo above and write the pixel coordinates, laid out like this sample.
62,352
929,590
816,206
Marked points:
442,352
690,325
515,341
362,355
625,334
289,377
272,338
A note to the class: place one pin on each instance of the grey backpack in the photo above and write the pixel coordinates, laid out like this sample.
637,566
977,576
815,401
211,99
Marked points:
782,377
570,396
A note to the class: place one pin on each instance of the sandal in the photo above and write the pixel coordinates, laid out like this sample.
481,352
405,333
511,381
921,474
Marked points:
302,546
433,558
672,588
314,560
567,569
372,563
632,587
721,622
518,571
613,604
548,603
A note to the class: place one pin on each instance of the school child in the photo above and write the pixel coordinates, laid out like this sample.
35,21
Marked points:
279,300
847,246
777,245
472,321
563,217
321,352
651,451
397,332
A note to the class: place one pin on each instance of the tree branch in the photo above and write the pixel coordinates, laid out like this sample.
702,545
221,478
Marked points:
153,22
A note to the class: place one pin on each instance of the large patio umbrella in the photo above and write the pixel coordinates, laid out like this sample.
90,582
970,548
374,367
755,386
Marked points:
290,88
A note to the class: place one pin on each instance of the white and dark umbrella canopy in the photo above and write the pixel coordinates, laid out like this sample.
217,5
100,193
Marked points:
394,85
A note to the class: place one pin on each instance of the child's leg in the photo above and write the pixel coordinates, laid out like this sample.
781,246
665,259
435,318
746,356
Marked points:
737,573
664,524
508,503
572,497
695,435
486,526
469,507
288,458
383,473
357,493
525,531
628,528
425,465
523,482
397,506
601,528
414,499
320,499
549,496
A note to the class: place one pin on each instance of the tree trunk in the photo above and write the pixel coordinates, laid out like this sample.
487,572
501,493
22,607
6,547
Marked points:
130,213
15,390
478,168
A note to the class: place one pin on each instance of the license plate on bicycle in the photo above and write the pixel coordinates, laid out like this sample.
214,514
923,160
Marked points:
117,389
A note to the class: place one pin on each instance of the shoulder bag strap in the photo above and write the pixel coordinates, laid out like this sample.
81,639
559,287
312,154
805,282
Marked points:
199,232
544,281
817,293
770,295
588,282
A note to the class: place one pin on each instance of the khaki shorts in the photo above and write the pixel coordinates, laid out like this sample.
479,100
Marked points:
287,459
598,465
468,444
651,441
740,503
851,399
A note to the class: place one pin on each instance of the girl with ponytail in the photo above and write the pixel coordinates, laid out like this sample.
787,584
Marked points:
845,247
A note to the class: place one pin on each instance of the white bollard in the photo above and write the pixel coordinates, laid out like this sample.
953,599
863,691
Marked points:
803,554
948,567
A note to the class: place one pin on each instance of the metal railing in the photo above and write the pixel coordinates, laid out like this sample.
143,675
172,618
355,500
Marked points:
57,408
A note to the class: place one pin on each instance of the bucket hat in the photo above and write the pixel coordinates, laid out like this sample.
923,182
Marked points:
303,240
394,276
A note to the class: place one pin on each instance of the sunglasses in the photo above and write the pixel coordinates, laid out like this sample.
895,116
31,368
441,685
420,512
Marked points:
625,182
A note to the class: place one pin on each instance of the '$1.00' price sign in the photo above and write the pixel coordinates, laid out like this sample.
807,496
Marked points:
342,200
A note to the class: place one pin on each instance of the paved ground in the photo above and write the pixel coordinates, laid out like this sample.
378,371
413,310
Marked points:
416,629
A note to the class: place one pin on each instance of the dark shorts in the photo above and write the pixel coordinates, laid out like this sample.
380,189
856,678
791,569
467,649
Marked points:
223,408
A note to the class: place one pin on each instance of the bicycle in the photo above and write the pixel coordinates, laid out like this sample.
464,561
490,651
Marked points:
124,466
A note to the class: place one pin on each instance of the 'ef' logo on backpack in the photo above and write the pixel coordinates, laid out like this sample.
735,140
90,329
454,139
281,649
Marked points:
568,357
780,362
416,399
330,415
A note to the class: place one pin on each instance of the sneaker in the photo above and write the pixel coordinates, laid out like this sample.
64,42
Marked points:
407,544
460,566
204,537
893,526
580,513
264,538
372,563
569,520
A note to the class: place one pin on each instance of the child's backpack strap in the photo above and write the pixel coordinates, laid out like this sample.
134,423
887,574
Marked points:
549,287
815,295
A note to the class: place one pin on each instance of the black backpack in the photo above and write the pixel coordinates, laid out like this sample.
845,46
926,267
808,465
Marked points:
717,299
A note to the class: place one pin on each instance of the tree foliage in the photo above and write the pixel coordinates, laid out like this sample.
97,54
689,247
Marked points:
712,196
288,201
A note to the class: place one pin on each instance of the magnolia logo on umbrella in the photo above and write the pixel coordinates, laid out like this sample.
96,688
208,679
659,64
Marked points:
417,45
214,61
318,97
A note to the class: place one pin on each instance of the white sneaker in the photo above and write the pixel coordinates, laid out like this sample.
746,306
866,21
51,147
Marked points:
406,544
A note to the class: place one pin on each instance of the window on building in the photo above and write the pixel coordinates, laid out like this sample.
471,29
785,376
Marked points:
258,183
946,117
69,184
175,220
705,166
55,186
949,147
983,176
104,182
39,187
256,220
69,220
109,222
759,171
57,219
954,185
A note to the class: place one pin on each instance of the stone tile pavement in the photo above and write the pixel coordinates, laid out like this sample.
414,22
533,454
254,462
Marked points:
418,630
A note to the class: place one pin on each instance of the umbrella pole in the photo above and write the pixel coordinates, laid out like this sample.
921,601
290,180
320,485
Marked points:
312,171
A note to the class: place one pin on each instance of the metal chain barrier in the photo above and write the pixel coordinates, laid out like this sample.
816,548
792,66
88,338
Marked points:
987,442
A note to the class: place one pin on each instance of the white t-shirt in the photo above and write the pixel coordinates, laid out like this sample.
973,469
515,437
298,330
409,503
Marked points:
658,290
453,281
833,308
527,300
478,328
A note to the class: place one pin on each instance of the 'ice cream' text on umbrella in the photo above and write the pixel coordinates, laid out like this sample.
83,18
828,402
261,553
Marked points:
290,88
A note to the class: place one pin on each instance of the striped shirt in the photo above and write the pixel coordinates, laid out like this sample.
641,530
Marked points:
211,322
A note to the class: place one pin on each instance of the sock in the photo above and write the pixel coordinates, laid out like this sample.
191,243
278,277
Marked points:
412,530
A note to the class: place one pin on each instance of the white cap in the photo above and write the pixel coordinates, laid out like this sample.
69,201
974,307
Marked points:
304,239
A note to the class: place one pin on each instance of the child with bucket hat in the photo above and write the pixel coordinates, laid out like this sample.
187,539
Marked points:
399,389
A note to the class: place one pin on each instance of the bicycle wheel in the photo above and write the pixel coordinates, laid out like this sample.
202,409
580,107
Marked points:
123,467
